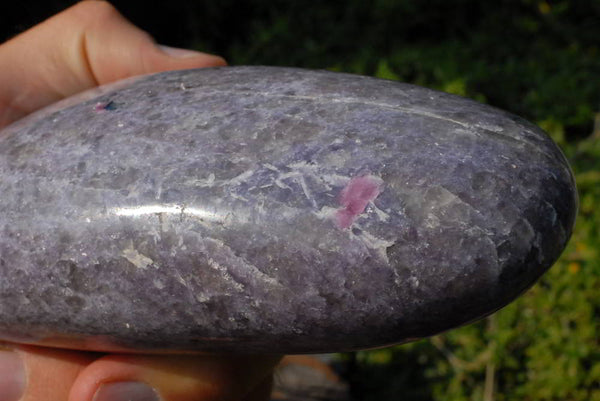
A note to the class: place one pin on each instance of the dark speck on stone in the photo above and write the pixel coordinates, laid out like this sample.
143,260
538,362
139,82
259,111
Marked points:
270,210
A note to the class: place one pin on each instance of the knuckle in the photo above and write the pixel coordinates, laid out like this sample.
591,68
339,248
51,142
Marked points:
94,10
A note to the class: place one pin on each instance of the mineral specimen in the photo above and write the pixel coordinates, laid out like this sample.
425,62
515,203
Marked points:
270,210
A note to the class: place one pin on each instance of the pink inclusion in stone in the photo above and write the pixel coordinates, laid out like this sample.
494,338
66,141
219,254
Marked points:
103,106
355,197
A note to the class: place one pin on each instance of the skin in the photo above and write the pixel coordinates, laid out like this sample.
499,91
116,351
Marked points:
84,46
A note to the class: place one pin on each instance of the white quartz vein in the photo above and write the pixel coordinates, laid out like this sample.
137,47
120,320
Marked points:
240,178
225,273
136,258
379,245
244,268
347,100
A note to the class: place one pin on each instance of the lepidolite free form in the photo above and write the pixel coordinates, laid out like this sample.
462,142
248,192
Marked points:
270,210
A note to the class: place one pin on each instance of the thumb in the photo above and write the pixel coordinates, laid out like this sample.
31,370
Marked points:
84,46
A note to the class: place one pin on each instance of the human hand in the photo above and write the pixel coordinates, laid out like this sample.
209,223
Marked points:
87,45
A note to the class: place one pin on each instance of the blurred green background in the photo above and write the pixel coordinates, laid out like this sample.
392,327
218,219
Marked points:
538,59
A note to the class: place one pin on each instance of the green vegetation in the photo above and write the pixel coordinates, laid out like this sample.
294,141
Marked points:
538,59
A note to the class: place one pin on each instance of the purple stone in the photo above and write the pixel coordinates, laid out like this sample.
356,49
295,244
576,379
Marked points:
270,210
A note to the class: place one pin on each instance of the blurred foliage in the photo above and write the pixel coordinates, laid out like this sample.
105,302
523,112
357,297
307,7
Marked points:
538,59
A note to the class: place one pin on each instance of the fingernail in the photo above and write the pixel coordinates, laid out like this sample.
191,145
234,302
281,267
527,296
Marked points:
12,376
179,53
126,391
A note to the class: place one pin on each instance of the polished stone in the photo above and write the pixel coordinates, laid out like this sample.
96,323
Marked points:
270,210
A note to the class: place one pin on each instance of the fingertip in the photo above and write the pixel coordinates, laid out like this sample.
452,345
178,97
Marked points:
115,49
179,53
13,377
173,378
165,58
105,370
29,373
126,391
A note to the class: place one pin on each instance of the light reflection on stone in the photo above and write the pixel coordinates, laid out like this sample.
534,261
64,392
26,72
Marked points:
139,211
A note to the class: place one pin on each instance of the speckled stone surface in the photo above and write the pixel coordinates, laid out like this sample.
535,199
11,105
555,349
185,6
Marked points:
257,209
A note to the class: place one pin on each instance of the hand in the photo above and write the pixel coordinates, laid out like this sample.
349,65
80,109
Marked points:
87,45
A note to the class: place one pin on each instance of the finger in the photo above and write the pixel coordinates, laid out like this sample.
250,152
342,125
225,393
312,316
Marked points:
174,378
39,374
84,46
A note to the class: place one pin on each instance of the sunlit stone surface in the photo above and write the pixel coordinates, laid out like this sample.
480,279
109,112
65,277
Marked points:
257,209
